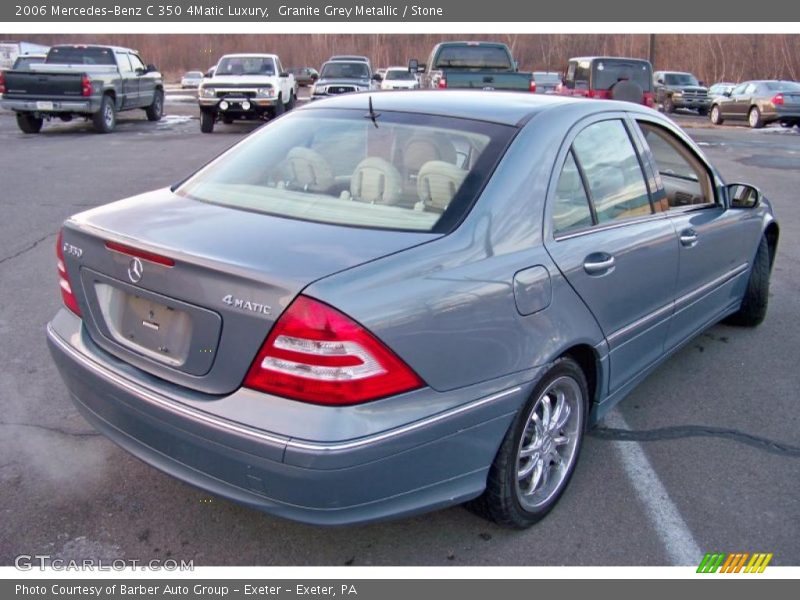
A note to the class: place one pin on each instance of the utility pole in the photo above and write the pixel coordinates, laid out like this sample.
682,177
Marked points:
651,49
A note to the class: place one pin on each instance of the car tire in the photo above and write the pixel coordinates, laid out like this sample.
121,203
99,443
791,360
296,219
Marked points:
155,111
702,112
716,115
28,123
505,500
105,119
292,101
669,105
279,107
756,296
207,119
754,118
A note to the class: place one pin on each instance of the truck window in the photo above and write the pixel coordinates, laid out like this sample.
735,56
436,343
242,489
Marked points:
80,55
136,62
473,57
124,63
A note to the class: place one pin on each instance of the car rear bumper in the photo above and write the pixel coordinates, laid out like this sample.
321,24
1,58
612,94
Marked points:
87,106
429,462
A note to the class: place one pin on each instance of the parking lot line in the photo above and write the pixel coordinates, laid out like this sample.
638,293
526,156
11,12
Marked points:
661,510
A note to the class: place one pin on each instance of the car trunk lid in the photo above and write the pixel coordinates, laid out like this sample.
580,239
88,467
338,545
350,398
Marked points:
188,291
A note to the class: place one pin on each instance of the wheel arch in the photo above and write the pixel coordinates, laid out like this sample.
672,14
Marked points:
589,362
772,233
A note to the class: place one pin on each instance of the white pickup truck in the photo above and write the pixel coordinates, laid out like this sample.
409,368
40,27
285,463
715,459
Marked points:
245,86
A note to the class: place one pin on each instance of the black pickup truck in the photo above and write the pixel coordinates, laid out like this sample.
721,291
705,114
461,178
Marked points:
93,82
474,65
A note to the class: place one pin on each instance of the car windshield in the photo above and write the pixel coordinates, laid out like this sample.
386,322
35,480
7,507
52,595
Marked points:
194,75
607,72
473,57
345,70
403,74
245,65
680,79
783,86
80,55
399,171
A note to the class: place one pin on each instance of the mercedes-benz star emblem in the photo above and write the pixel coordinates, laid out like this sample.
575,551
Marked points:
135,270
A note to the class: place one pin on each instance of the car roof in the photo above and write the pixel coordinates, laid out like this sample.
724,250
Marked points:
473,43
641,60
248,54
506,108
106,46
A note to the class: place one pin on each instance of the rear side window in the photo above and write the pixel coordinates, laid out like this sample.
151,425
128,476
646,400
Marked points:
400,171
611,167
571,209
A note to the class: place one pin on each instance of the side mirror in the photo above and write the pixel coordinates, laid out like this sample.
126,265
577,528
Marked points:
703,83
660,81
743,195
284,74
413,65
727,93
377,77
151,68
421,68
209,74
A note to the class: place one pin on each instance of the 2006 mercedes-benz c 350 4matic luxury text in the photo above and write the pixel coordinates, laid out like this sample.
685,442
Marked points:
382,304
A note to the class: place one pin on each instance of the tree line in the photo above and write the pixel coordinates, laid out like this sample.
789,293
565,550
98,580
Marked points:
712,57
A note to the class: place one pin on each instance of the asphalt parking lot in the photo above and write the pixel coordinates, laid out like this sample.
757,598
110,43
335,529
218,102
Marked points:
665,498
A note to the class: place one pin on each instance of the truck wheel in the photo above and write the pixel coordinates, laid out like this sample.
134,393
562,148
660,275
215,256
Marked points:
207,119
28,123
105,119
155,111
669,105
292,101
279,107
716,116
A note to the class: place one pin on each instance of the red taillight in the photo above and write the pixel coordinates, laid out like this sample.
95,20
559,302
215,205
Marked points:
143,254
86,85
314,353
649,99
442,83
533,87
601,94
67,295
2,82
777,99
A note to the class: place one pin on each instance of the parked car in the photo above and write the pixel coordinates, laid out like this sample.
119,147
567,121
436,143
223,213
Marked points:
382,304
381,72
192,80
342,77
719,89
93,82
610,77
546,82
24,61
10,51
304,76
399,78
245,87
676,89
759,103
473,65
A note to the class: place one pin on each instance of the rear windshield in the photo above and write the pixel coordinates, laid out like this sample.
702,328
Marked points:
345,70
473,57
403,74
245,65
607,72
547,78
23,63
680,79
76,55
400,171
783,86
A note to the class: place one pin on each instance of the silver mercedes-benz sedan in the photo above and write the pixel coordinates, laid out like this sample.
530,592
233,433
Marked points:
382,304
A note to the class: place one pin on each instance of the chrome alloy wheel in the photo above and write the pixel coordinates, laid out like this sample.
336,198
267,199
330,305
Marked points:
108,115
548,445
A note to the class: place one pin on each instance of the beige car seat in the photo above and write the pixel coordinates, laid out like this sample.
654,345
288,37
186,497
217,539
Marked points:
437,183
376,181
308,170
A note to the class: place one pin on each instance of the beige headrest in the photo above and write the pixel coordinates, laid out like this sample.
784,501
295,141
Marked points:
421,149
308,170
438,182
376,181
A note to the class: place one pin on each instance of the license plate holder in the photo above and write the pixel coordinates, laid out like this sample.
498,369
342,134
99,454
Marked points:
44,105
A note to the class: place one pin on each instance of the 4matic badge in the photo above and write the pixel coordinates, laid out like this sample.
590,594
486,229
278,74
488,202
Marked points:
255,307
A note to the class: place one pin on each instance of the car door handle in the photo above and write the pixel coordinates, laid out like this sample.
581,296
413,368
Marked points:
688,237
598,263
